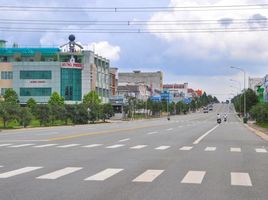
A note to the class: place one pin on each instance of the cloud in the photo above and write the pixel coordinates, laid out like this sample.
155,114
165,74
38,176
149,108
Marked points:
105,49
251,46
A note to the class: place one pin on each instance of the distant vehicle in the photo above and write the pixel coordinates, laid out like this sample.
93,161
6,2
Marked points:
210,107
205,110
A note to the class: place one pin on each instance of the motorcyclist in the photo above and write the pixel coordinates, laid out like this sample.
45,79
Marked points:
218,116
225,117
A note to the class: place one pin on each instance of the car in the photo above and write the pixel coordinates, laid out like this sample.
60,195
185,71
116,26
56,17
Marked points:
205,110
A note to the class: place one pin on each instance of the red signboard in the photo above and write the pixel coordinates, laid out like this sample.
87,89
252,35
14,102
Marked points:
71,65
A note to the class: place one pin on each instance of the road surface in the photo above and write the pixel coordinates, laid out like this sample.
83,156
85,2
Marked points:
187,158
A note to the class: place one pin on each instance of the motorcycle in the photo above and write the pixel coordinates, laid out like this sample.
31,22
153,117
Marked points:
225,119
218,121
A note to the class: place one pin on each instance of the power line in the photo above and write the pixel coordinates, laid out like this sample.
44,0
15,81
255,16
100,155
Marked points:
132,9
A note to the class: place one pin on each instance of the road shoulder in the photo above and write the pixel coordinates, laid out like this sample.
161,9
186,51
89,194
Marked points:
261,132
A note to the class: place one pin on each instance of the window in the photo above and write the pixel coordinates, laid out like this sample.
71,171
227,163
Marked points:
26,92
3,91
71,84
6,75
35,75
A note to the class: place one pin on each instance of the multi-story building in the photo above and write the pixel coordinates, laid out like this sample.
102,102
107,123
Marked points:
154,80
139,91
38,72
253,83
113,81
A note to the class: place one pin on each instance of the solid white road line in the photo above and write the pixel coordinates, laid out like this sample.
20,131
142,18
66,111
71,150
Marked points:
170,129
68,145
151,133
103,175
1,165
194,177
138,147
4,145
240,179
233,149
20,145
45,145
261,150
115,146
18,172
162,148
148,176
124,140
210,149
203,136
186,148
60,173
92,145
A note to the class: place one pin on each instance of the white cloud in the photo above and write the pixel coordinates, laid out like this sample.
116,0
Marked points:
245,46
105,49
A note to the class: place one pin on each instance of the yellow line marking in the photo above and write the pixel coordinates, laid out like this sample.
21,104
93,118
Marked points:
101,132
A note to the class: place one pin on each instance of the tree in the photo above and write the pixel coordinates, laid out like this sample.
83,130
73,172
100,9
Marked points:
106,111
31,103
11,96
260,112
25,116
43,114
93,113
8,112
91,98
56,103
56,99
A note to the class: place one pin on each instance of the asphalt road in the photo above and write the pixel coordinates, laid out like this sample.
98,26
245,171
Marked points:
187,158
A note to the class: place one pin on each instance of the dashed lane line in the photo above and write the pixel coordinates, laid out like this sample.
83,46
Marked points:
240,179
194,177
203,136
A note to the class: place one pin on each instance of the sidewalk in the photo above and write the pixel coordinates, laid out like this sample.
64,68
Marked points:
261,132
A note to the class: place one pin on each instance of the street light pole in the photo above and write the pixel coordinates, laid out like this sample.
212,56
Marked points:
245,111
240,90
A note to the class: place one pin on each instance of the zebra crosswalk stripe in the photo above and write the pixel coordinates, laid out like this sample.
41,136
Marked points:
21,145
162,147
194,177
18,172
4,145
103,175
60,173
148,176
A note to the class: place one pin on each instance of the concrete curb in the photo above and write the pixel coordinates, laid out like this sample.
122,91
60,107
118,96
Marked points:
257,132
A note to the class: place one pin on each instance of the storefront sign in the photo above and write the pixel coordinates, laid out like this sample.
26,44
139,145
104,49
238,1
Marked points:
72,65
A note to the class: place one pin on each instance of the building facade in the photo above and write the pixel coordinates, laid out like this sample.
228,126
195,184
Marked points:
154,80
253,83
38,72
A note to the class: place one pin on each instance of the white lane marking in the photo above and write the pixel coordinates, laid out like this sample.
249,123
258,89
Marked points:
210,149
124,140
233,149
4,145
261,150
138,147
103,175
162,148
18,172
1,165
194,177
68,145
20,145
115,146
45,145
24,140
240,179
148,176
203,136
151,133
170,129
186,148
59,173
92,145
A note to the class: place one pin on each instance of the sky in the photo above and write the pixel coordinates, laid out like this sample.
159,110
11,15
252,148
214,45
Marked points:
201,59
